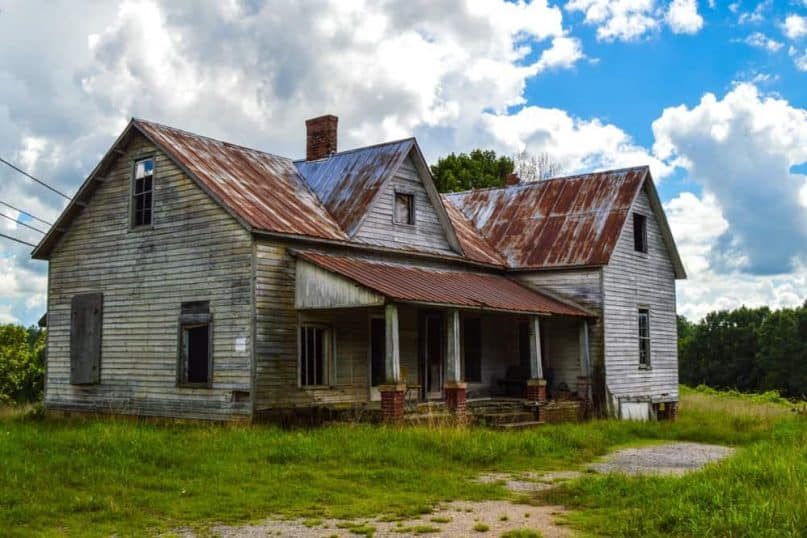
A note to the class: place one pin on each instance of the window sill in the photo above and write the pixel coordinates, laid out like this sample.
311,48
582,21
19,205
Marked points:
645,367
195,385
141,228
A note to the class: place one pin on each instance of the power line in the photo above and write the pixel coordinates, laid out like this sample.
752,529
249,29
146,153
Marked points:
43,221
23,172
22,223
17,240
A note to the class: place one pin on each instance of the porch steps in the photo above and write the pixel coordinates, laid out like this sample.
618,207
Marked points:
501,418
521,425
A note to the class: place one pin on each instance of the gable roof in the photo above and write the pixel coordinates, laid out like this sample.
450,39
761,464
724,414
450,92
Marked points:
348,182
429,285
561,222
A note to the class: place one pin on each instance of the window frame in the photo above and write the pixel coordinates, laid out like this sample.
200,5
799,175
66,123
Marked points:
329,349
645,340
194,314
412,211
640,236
132,196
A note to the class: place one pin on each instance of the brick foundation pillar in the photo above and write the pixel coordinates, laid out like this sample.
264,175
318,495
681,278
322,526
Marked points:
455,396
392,402
583,385
536,390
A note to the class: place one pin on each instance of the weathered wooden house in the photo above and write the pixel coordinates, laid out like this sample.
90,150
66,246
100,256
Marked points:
194,278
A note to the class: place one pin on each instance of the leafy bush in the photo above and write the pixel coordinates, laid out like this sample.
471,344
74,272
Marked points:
22,364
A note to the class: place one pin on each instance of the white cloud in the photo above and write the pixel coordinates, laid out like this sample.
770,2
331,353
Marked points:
760,40
683,17
621,20
795,26
741,149
756,16
799,58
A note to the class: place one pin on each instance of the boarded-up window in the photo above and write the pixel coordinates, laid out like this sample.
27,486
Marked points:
404,208
142,192
195,362
314,355
86,315
472,349
639,232
644,337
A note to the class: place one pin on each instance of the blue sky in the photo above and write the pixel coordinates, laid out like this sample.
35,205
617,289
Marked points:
710,94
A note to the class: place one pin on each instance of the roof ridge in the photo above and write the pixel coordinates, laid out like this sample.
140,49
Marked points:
354,150
217,140
530,184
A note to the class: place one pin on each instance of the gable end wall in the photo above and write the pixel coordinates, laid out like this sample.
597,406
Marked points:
195,251
631,280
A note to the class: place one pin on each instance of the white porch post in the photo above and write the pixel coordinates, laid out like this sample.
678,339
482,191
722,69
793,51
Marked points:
453,368
392,360
536,368
585,359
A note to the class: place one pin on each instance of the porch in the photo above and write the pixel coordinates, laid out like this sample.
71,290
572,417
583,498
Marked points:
435,351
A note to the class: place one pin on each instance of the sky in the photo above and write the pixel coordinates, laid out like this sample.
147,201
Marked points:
710,94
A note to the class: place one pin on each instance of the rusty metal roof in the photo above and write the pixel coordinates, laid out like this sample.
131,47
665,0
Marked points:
420,284
474,246
562,222
347,182
264,190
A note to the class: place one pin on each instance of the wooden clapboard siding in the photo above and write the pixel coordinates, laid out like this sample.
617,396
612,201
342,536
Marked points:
583,286
379,229
561,350
499,350
194,251
633,279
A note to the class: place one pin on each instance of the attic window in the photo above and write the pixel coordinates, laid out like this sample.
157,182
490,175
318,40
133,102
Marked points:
639,233
142,192
404,208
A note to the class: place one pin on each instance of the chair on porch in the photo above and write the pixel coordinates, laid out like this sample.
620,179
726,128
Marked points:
412,392
514,382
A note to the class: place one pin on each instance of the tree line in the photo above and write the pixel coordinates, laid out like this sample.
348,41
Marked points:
748,349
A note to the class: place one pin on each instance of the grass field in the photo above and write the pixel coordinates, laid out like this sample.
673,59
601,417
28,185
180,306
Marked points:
98,477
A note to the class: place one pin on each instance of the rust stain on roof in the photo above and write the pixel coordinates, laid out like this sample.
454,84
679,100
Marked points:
571,221
473,244
413,283
349,181
263,189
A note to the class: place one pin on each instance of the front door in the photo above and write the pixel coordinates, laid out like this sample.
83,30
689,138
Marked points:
433,356
378,343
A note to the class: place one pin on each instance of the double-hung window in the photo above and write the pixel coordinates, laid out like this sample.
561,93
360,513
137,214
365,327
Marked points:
315,351
143,192
644,337
404,208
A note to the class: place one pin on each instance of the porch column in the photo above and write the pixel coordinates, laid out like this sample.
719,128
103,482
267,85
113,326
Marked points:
393,391
584,379
453,387
536,385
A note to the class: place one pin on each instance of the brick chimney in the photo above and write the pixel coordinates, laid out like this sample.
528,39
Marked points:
512,179
320,137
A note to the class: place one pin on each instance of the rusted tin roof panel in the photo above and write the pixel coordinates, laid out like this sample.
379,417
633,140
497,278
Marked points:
571,221
264,190
474,246
413,283
349,181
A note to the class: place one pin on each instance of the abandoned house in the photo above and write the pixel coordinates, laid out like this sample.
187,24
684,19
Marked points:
194,278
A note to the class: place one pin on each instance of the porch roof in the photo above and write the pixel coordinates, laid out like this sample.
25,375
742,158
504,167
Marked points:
420,284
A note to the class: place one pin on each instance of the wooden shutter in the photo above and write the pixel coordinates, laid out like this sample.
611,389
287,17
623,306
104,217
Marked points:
86,312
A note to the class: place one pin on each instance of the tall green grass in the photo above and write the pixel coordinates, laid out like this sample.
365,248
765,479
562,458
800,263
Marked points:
97,477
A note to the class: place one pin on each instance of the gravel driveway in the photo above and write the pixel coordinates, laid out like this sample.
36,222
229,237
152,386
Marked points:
669,458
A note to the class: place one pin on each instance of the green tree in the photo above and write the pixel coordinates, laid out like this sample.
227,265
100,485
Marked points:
22,364
782,351
479,169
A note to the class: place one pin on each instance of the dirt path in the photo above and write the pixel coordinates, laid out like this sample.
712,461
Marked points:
493,518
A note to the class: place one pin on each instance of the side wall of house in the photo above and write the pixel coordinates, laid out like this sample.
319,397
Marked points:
378,227
194,251
561,345
634,280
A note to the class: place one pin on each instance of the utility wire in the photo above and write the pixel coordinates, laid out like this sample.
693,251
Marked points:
22,223
43,221
17,240
23,172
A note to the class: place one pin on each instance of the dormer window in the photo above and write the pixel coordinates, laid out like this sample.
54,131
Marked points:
142,192
639,233
404,208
